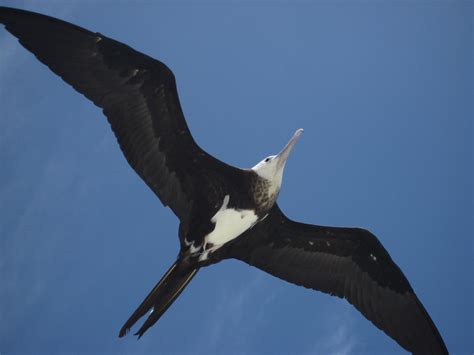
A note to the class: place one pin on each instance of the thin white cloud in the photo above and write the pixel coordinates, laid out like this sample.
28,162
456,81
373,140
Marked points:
339,339
14,244
229,309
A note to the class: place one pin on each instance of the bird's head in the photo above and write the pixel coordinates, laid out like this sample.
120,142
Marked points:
271,168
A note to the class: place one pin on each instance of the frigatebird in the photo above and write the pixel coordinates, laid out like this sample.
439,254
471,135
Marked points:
224,212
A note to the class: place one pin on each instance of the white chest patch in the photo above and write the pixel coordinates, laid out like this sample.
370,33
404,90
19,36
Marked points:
230,223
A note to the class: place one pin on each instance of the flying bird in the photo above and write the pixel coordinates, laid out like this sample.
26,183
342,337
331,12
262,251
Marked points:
224,211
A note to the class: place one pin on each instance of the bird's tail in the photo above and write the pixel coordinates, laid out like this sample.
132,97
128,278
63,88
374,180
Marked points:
161,296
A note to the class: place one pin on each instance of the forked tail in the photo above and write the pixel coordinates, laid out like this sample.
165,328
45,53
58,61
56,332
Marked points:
161,296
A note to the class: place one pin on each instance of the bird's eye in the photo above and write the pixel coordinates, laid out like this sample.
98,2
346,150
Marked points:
267,159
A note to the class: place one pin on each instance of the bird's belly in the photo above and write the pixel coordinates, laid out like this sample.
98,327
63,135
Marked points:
230,223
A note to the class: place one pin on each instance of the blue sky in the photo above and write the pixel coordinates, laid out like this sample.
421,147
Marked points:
384,91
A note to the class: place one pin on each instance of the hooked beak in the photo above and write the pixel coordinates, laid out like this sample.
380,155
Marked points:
283,155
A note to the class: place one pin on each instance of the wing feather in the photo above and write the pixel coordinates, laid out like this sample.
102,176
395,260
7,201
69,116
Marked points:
137,94
349,263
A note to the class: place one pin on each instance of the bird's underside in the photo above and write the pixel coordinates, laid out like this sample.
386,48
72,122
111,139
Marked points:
224,212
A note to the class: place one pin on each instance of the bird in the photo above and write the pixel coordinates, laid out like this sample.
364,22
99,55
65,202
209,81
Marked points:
224,212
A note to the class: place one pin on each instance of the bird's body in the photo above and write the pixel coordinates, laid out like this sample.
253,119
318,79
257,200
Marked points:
238,201
224,212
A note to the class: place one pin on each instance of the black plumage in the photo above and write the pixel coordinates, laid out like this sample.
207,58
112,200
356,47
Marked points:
349,263
138,96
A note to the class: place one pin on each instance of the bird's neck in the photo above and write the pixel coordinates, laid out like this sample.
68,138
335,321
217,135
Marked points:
264,192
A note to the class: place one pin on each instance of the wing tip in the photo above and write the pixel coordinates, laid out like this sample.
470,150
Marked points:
437,337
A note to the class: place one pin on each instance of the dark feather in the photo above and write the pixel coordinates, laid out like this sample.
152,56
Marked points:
349,263
137,94
162,296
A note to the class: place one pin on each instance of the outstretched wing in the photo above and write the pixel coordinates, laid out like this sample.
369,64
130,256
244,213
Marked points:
137,94
349,263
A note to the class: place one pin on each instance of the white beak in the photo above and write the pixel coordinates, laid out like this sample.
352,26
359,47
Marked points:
284,154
